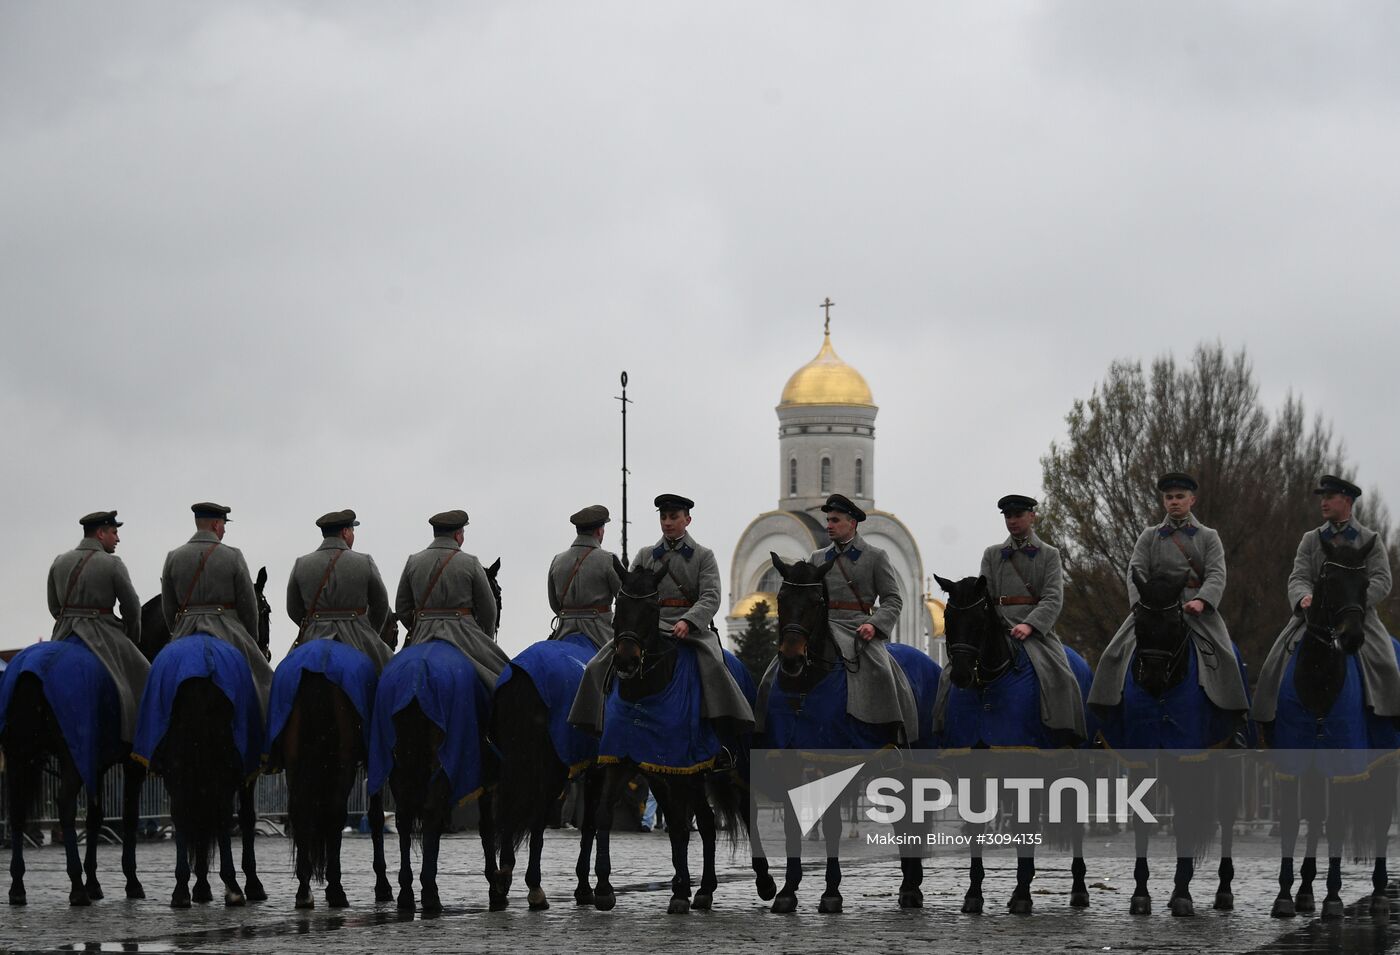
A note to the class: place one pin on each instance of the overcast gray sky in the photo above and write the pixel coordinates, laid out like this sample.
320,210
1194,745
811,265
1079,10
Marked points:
295,258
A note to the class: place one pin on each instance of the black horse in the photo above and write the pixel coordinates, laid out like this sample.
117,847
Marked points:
644,661
1165,708
202,772
1321,706
33,735
983,663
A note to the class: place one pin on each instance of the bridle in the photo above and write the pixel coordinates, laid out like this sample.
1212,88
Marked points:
1171,659
806,660
631,636
981,677
1326,633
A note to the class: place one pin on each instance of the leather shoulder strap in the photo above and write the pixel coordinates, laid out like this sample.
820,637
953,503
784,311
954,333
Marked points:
73,577
680,585
864,607
316,597
587,552
1026,583
198,571
1190,561
442,565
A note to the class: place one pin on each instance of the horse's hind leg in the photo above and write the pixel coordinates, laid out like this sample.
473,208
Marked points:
536,897
497,879
588,830
1284,906
247,824
705,826
202,891
614,778
383,890
406,902
67,819
94,835
21,779
180,898
233,895
133,777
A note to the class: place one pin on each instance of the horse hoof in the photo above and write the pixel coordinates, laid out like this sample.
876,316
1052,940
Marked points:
830,904
1380,904
1079,899
94,891
785,904
335,897
678,906
1140,905
134,890
1224,902
406,902
383,891
703,901
253,890
1283,908
18,896
767,888
180,899
972,905
1020,905
503,879
1304,902
1333,909
78,897
202,893
1181,905
432,905
305,901
538,901
604,900
234,899
583,895
911,899
498,901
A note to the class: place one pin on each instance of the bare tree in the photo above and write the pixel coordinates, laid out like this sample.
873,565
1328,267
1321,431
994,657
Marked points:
1256,472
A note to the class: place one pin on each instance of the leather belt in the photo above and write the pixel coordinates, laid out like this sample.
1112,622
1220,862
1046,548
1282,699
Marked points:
86,612
676,602
205,608
583,611
846,605
443,613
348,613
1017,601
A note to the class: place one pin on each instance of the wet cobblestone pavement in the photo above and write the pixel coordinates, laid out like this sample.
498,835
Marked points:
739,922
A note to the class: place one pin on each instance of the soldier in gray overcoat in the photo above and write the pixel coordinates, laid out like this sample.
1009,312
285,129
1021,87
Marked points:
444,594
84,584
689,594
1025,580
336,592
1179,546
583,581
1379,671
205,587
863,606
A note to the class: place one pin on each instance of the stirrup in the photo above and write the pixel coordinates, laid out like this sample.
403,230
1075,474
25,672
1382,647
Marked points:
724,760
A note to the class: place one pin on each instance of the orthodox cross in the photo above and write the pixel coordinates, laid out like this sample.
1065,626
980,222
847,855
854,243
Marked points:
827,305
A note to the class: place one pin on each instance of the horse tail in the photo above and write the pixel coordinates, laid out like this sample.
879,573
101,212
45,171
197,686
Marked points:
415,766
27,722
321,759
200,762
729,799
531,774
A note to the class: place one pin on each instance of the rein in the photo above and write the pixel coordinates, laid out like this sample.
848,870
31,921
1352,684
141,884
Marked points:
982,677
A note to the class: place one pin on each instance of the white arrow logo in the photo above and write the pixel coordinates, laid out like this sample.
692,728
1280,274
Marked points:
811,800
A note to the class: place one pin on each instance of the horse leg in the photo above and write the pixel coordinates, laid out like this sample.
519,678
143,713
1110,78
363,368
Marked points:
674,802
180,898
383,890
786,900
1141,902
248,828
1021,902
427,875
1332,905
405,822
1313,796
614,778
1227,801
831,901
94,831
498,878
1385,780
202,891
535,896
1078,891
911,867
335,891
972,900
21,778
588,829
1284,906
67,818
234,896
304,898
133,778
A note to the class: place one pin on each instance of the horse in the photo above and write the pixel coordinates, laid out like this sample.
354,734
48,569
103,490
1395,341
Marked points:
653,725
428,744
1165,708
205,748
994,702
806,709
79,698
1321,707
540,753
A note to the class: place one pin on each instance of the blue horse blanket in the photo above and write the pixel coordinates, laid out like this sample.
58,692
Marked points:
444,683
663,732
1006,712
819,719
556,668
82,696
349,669
1183,719
194,657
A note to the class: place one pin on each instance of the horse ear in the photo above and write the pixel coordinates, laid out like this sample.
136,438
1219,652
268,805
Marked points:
944,583
261,582
781,567
981,584
495,568
1370,545
658,576
619,566
827,568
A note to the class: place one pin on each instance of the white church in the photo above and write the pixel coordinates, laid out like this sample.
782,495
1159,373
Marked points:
826,444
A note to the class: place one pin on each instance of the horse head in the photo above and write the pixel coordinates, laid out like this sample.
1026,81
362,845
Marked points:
491,574
636,621
154,633
1159,624
1338,612
802,623
389,633
975,633
264,614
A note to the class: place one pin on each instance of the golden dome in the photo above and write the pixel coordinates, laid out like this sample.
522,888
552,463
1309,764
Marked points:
935,613
827,380
745,607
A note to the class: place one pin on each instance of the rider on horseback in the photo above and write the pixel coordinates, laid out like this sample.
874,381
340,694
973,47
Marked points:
1181,546
84,584
337,593
444,594
583,581
1377,655
206,588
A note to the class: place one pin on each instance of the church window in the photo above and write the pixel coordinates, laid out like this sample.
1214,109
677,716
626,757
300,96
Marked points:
826,475
860,478
792,477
